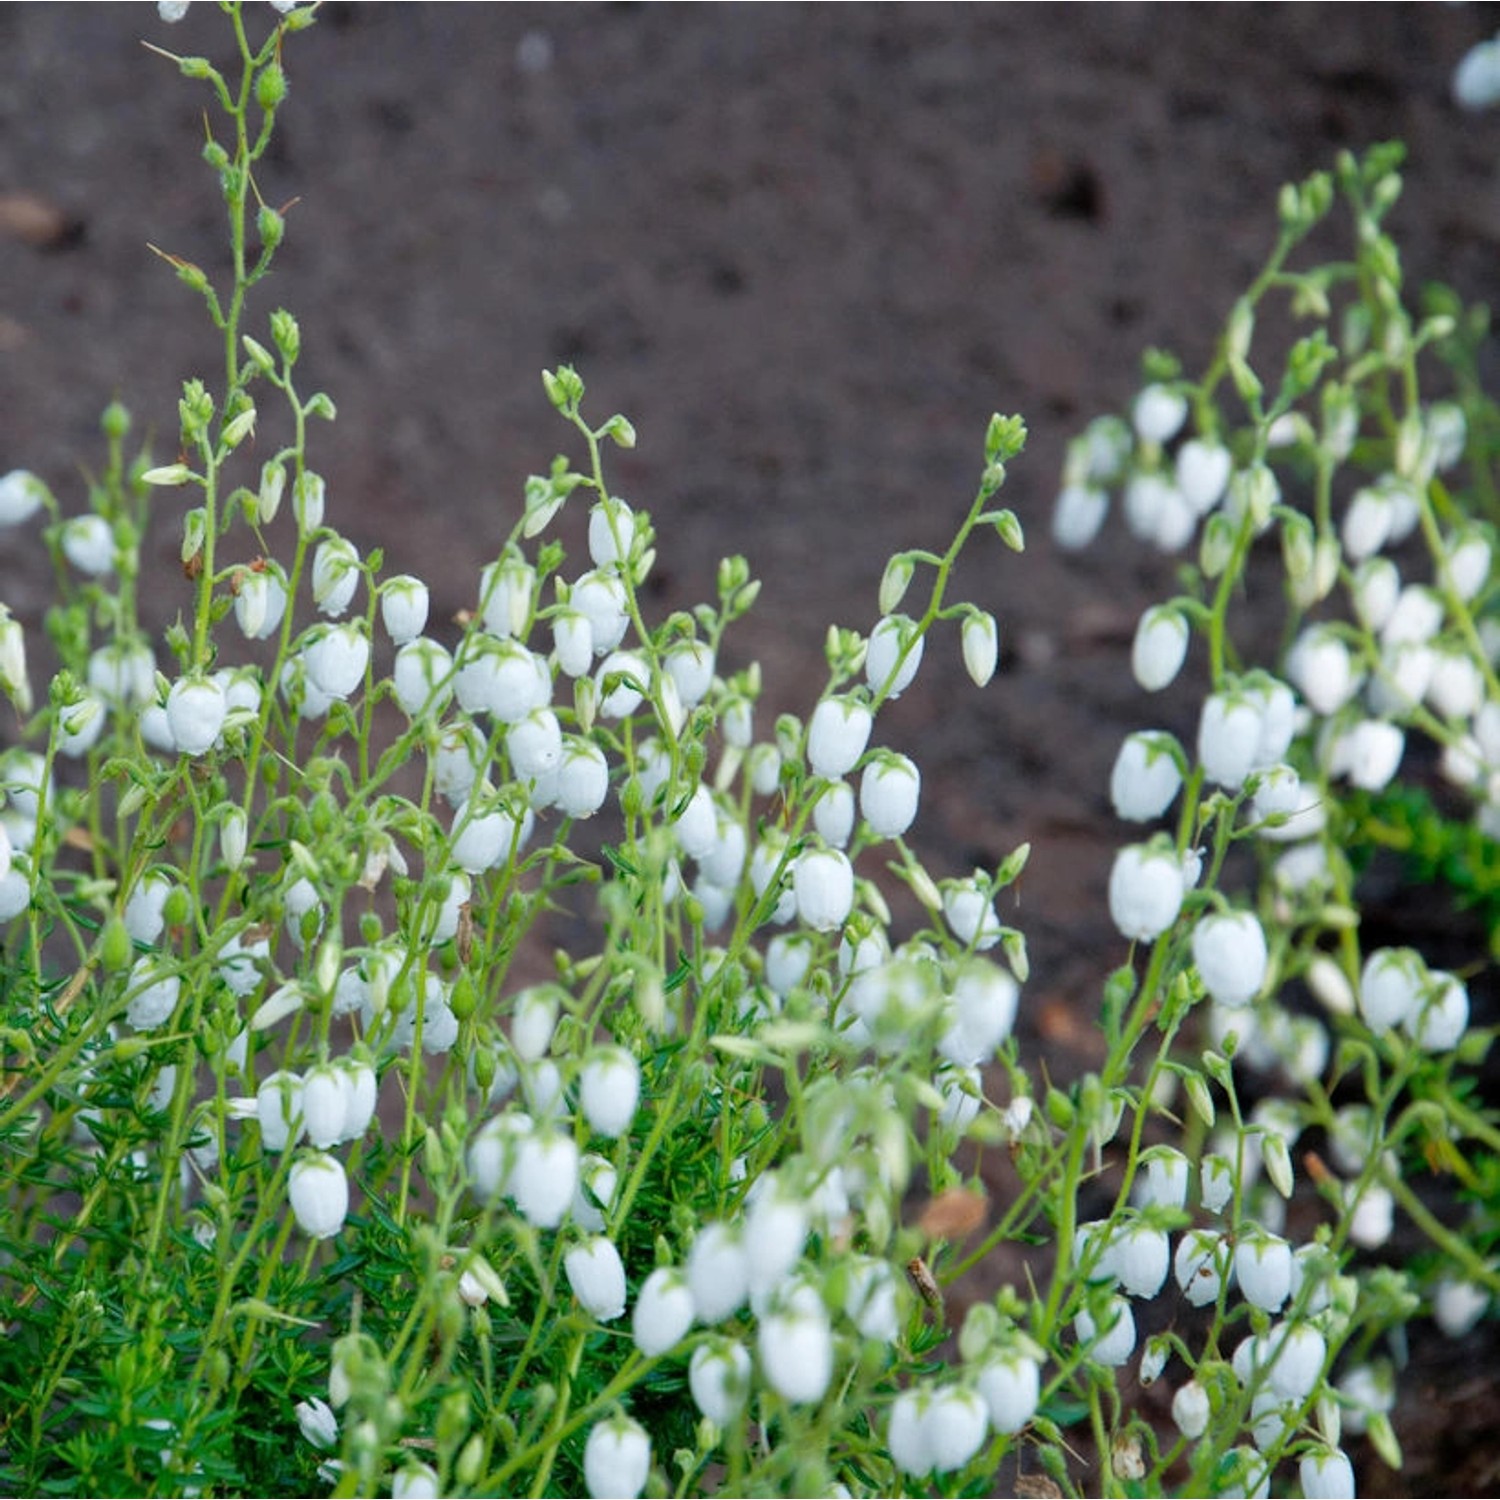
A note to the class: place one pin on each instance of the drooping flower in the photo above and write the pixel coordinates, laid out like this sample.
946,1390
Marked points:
319,1193
837,735
1145,891
719,1379
597,1275
196,709
796,1346
888,793
893,635
823,882
663,1312
616,1459
1229,950
1146,776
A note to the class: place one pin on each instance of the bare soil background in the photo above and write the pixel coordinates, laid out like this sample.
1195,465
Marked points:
808,250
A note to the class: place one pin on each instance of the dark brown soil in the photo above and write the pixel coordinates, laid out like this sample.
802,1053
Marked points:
808,250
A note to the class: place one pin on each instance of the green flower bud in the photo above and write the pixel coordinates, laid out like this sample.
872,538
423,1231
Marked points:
270,86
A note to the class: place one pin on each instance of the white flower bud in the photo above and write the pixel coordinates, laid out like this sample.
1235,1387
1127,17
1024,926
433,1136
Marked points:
617,1459
404,602
309,498
888,793
597,1276
507,591
1145,891
719,1379
891,636
327,1093
413,1481
1476,79
870,1300
983,1002
1160,647
980,637
663,1313
1158,413
823,881
319,1194
796,1347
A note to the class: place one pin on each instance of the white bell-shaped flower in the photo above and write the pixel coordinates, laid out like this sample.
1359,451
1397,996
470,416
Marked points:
1202,470
1229,950
1158,412
260,601
796,1346
1391,987
1078,515
969,911
1011,1385
1145,778
153,990
690,664
572,642
630,675
833,814
837,735
507,591
1229,732
1159,648
336,659
1141,1255
1326,1473
955,1422
319,1193
196,709
717,1273
609,1089
1200,1265
616,1459
597,1276
545,1178
582,778
404,602
1191,1410
89,544
776,1230
1263,1267
421,677
889,790
335,575
892,655
1145,891
719,1379
663,1312
823,882
1110,1340
1439,1020
601,599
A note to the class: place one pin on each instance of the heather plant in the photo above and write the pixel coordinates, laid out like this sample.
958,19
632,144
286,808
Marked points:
318,1180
